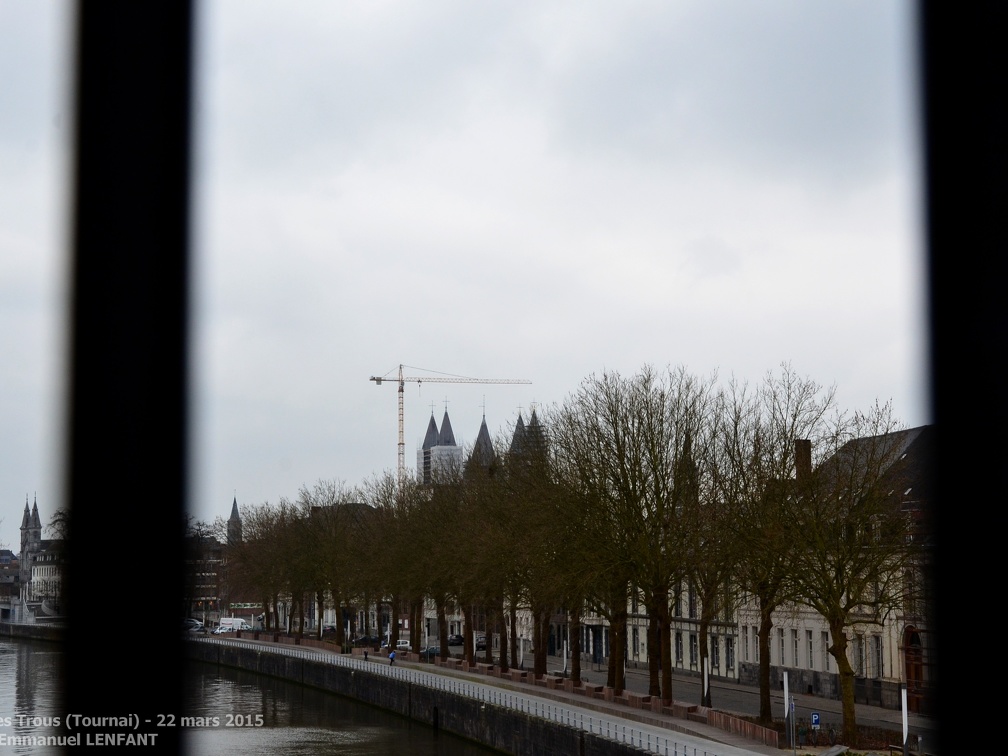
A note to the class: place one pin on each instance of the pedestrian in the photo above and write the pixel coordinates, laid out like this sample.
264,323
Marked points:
365,654
391,658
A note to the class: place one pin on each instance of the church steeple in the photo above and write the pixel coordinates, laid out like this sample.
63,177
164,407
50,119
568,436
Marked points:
31,539
234,526
483,456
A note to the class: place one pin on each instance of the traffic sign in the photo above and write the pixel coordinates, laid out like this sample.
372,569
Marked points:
815,720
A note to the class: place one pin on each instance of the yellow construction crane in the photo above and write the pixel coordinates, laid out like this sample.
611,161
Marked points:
429,379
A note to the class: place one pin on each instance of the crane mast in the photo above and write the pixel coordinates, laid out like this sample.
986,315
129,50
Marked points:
430,379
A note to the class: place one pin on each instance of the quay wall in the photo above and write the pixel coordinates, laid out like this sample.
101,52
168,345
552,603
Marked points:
494,726
35,632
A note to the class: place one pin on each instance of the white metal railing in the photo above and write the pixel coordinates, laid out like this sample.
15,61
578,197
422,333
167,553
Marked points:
610,728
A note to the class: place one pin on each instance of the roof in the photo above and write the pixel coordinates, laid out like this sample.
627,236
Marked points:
904,460
446,437
483,453
518,437
431,439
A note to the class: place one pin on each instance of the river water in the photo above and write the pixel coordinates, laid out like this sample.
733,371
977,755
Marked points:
274,716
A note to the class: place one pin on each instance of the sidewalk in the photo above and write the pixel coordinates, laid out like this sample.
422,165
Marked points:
727,696
614,709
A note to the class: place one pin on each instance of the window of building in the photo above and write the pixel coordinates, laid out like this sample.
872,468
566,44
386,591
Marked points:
715,653
634,647
692,603
755,640
909,593
794,648
780,636
825,651
745,643
693,650
811,656
729,605
859,655
729,651
878,669
678,648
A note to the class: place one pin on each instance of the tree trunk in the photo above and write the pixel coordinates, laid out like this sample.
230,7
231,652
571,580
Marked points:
541,642
416,623
653,650
395,610
320,601
617,652
341,631
575,635
838,649
490,627
513,619
665,638
705,692
468,638
442,623
502,660
766,625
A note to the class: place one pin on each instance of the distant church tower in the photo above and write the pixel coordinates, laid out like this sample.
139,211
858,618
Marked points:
234,525
439,452
483,456
31,540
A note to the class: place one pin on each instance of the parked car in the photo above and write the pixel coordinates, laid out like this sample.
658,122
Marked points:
481,643
456,640
401,645
430,653
329,631
190,624
367,640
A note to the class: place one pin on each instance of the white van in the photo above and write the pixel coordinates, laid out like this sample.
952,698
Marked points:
230,624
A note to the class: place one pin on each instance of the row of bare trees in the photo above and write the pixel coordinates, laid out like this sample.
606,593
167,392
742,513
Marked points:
768,494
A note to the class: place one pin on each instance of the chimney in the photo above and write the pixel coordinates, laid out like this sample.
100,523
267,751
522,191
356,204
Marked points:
803,459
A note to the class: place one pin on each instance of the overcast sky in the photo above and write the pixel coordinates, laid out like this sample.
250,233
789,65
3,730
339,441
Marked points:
518,190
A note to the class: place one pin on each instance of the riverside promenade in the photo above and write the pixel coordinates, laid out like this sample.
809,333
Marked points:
683,729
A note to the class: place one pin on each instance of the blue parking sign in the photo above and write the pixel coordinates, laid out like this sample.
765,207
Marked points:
815,720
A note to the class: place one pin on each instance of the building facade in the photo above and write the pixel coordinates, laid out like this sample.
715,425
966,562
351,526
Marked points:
40,573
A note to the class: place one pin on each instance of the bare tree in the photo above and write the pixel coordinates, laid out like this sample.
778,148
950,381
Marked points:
853,531
758,438
332,510
59,524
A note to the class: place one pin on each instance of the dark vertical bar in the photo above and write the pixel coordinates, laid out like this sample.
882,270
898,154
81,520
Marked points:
128,398
966,158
